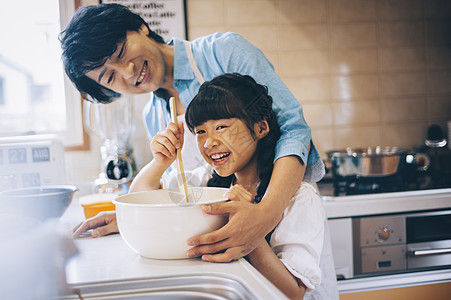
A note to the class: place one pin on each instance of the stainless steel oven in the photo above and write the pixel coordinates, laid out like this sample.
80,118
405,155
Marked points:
402,242
399,223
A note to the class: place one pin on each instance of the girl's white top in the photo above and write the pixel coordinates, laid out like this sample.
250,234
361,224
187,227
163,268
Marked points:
301,240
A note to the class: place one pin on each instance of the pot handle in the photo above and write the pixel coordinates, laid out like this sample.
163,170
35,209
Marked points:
421,161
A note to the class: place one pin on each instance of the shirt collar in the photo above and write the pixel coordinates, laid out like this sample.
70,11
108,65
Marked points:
182,68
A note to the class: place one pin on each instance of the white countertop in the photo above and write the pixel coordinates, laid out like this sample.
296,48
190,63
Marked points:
110,259
386,203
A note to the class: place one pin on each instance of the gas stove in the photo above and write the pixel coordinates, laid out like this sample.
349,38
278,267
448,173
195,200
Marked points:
409,177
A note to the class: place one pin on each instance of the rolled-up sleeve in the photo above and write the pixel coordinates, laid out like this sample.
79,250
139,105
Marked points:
231,53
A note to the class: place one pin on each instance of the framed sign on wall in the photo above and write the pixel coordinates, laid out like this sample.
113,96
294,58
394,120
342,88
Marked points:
165,17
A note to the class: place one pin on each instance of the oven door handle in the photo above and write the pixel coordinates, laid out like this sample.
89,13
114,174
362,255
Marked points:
429,251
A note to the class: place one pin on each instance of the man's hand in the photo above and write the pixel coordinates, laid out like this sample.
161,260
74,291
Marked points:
102,224
249,223
242,234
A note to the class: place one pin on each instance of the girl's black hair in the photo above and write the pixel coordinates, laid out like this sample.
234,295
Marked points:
238,96
91,37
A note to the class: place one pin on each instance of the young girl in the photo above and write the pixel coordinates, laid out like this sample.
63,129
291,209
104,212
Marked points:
236,132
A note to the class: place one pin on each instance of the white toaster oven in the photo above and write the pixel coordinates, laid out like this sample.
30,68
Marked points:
31,160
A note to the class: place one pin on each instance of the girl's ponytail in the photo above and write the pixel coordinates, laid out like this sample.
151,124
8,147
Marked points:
265,155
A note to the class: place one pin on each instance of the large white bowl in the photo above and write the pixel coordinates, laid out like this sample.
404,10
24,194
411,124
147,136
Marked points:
156,224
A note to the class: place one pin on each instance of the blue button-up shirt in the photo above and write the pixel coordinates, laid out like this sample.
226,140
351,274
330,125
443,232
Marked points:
221,53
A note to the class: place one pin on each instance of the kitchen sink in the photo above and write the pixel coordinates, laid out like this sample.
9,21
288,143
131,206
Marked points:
192,286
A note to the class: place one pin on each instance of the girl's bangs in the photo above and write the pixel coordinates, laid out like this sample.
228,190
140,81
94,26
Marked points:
213,103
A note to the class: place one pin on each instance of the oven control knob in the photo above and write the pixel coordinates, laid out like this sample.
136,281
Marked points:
383,234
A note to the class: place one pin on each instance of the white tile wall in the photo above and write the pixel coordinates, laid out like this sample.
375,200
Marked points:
367,72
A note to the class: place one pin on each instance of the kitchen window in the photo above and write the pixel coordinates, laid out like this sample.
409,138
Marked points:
35,95
2,91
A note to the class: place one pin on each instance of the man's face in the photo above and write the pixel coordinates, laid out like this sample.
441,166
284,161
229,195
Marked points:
138,66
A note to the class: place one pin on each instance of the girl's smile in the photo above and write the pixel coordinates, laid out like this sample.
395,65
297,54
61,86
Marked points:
229,146
220,158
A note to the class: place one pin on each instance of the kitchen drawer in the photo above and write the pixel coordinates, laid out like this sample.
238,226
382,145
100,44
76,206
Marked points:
439,291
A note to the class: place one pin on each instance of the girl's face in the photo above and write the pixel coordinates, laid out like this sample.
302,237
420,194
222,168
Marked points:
228,145
138,65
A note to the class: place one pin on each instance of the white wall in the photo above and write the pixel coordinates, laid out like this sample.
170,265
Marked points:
366,72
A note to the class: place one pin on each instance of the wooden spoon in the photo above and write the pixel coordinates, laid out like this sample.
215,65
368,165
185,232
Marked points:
181,179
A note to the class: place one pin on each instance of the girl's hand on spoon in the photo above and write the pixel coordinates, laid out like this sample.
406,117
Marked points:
165,144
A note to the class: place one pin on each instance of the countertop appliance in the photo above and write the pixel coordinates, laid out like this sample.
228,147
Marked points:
113,124
397,239
31,160
402,242
389,169
397,225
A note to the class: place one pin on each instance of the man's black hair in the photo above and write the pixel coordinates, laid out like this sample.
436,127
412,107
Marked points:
91,37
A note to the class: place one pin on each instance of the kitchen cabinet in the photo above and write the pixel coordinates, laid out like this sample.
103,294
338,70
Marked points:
439,291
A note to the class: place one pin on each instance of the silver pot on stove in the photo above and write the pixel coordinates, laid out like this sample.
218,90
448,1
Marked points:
368,162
